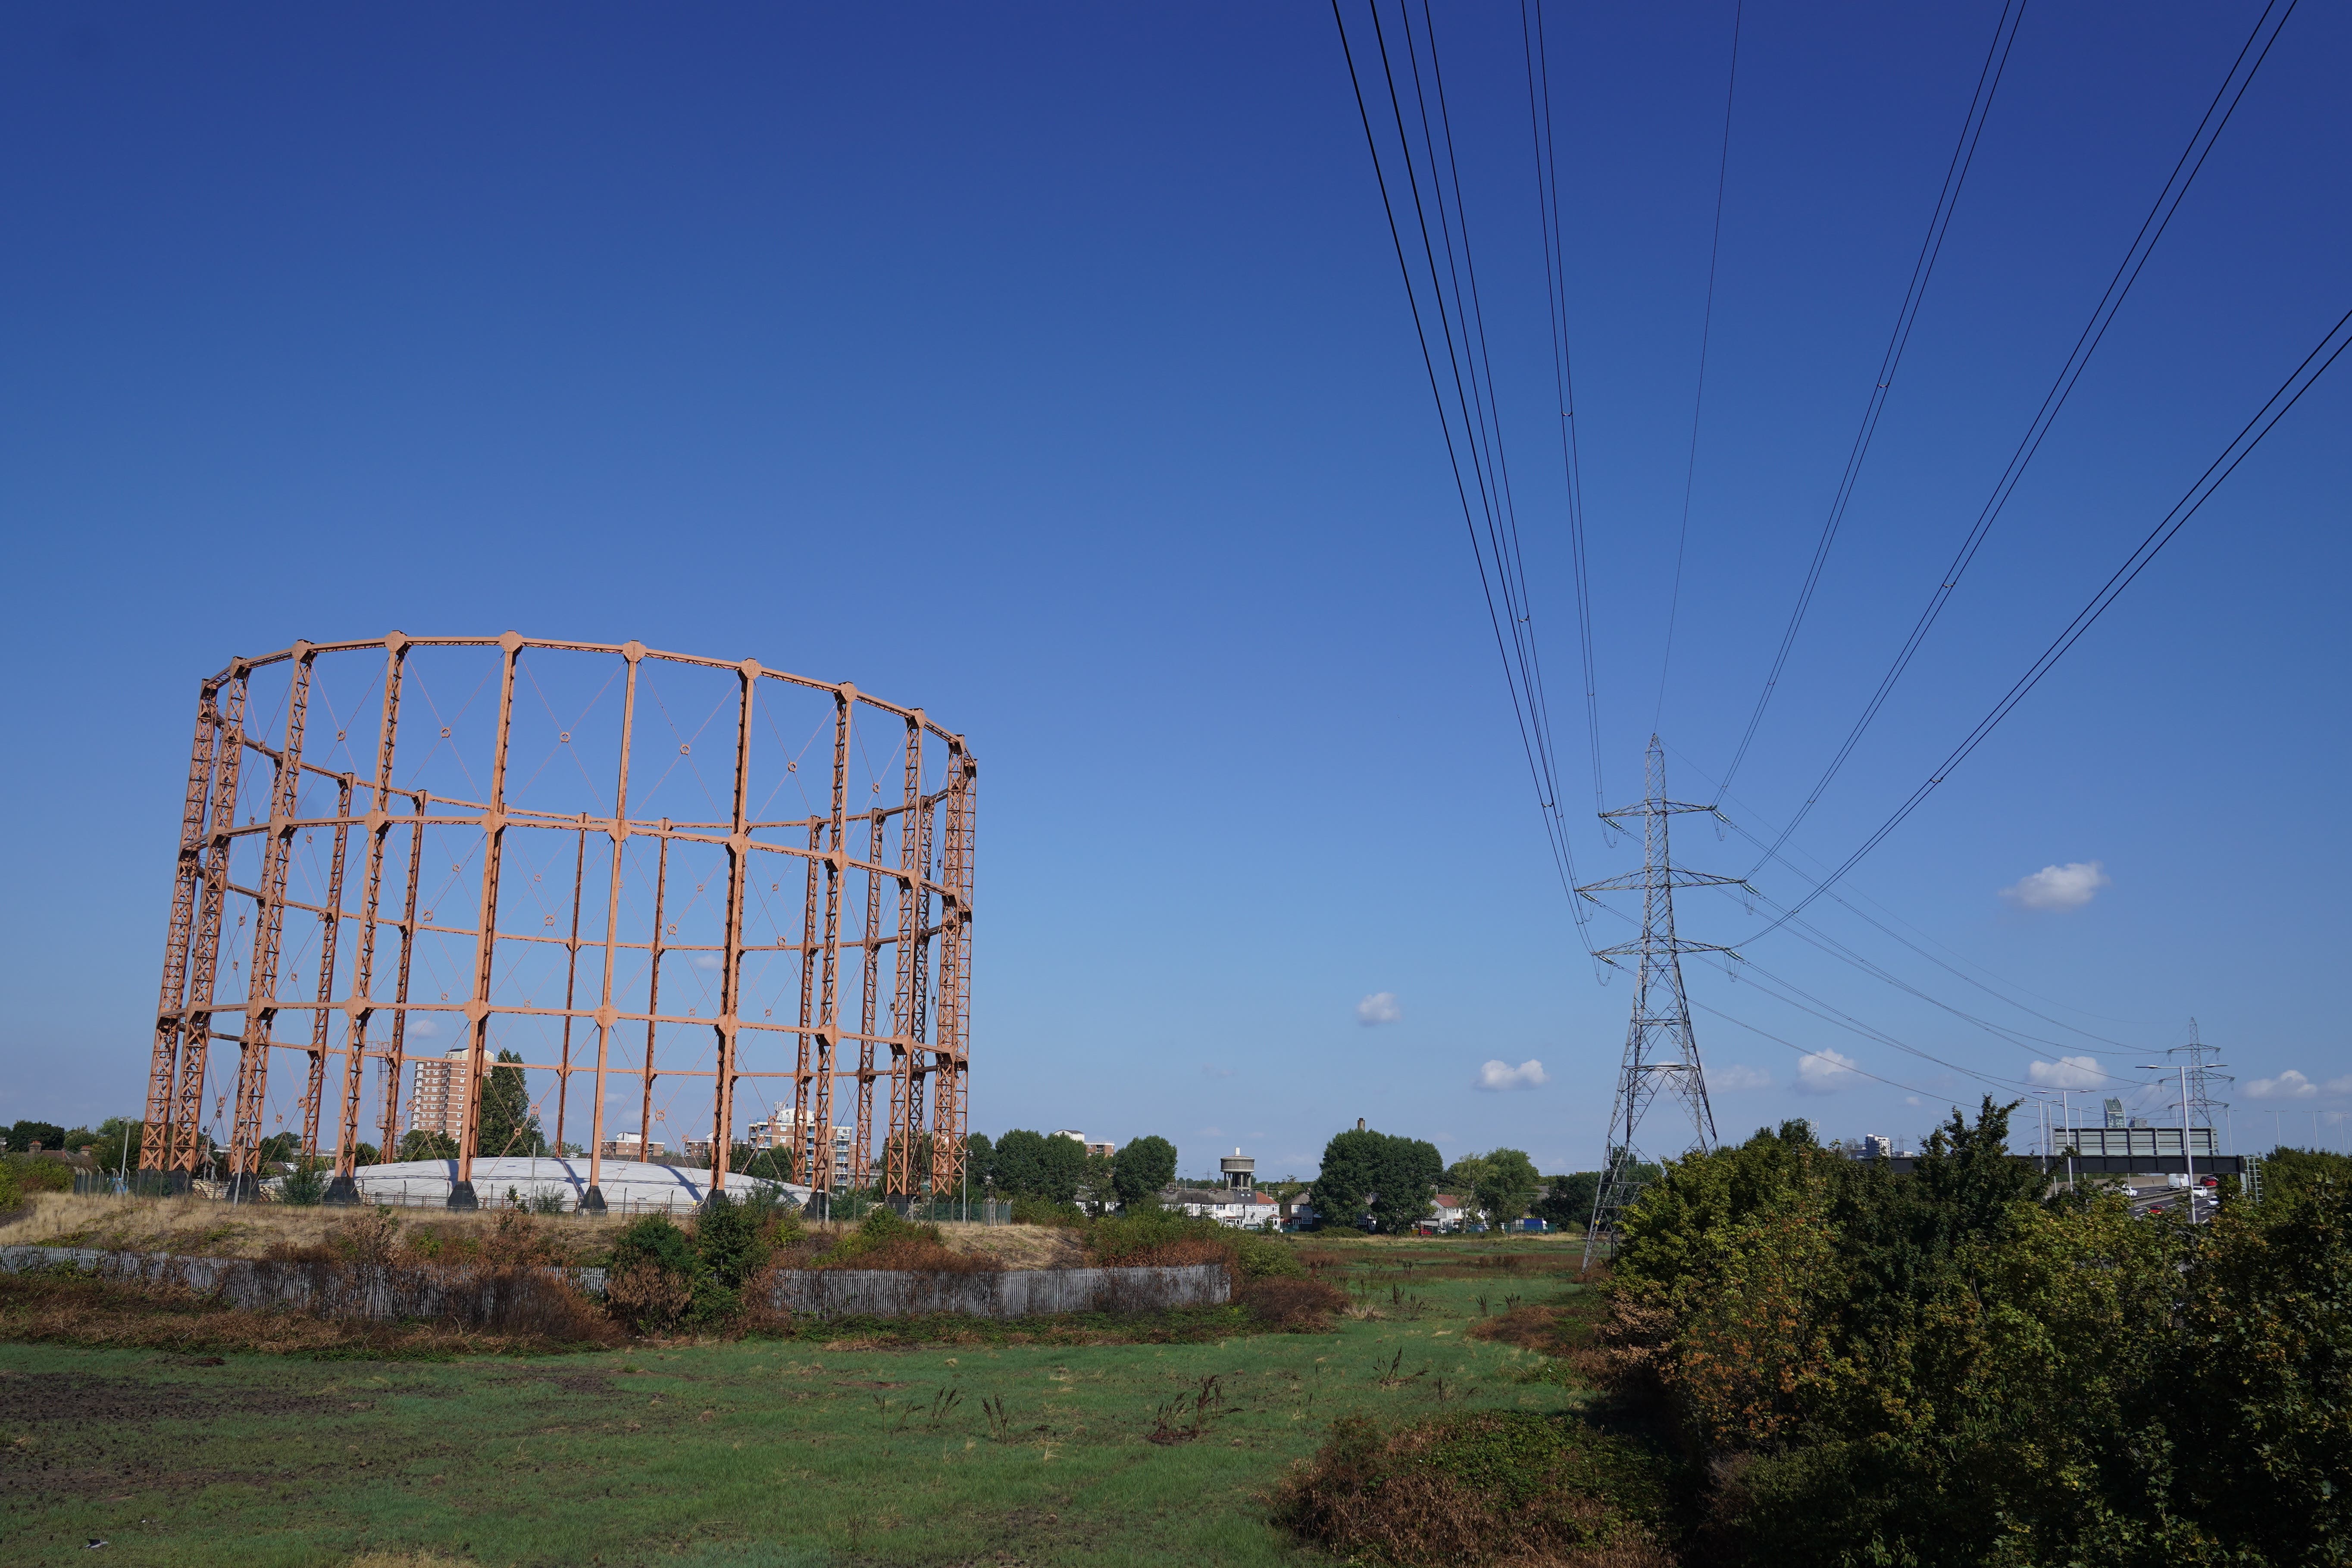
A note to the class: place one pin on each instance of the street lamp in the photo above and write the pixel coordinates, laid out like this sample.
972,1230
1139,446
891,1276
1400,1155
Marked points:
2188,1159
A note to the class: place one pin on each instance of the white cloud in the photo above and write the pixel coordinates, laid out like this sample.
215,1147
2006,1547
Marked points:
2337,1085
426,1027
1912,1099
1500,1075
1736,1078
2067,1072
1820,1072
2067,886
1379,1007
1210,1069
708,961
2288,1085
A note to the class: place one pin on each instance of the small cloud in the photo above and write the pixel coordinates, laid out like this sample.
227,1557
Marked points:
2066,1072
2337,1085
1379,1007
1497,1074
1210,1069
2288,1085
708,961
1821,1072
1210,1131
2067,886
427,1027
1913,1099
1737,1079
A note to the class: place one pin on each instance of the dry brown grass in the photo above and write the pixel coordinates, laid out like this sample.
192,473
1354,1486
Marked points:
205,1228
1292,1305
1496,1488
1018,1246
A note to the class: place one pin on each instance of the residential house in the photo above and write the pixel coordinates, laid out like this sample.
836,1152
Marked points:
1243,1210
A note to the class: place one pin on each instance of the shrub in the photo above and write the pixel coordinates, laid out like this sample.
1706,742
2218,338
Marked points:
727,1236
1498,1484
303,1187
657,1281
1291,1306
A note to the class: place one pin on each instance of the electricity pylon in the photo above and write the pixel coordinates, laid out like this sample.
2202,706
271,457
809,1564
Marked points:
1661,1052
2202,1080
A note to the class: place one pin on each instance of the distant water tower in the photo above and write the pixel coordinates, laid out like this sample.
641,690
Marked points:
1241,1172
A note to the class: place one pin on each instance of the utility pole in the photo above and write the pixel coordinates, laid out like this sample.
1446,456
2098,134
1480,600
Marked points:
1661,1052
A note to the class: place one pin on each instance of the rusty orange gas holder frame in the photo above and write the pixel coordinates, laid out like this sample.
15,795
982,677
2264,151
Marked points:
642,869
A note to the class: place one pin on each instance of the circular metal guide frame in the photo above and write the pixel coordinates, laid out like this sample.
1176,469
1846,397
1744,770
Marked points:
574,869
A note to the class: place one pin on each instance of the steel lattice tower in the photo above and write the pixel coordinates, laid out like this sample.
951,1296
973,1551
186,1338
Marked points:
1661,1051
2202,1078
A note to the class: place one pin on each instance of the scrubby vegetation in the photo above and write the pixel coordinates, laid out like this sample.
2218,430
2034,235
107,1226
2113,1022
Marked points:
1495,1485
1948,1369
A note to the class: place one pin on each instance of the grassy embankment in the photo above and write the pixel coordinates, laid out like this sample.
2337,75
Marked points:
751,1451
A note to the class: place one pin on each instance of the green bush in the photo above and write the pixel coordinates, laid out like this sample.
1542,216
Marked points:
304,1186
730,1237
21,1177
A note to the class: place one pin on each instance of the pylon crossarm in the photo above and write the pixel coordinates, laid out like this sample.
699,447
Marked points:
1675,877
1649,946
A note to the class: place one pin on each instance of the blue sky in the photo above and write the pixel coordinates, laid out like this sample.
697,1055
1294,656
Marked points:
1048,368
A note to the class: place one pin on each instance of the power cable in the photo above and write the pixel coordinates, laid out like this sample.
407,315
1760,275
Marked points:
2151,230
2290,391
1546,153
1479,440
1940,223
1800,872
1706,332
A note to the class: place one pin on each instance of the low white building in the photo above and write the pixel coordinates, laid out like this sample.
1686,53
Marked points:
1242,1210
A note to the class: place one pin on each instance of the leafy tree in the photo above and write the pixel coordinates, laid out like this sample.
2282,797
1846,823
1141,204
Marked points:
79,1138
1097,1190
422,1144
1567,1200
1506,1184
1344,1183
279,1148
1392,1177
1141,1168
1403,1181
2285,1172
118,1143
366,1154
1031,1164
979,1161
504,1124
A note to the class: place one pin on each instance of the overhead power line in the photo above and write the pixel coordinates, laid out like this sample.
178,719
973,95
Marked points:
1940,223
2290,391
1442,292
2192,158
1540,117
1705,334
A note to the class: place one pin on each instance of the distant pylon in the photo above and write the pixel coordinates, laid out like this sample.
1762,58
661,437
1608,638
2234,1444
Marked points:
2202,1078
1661,1052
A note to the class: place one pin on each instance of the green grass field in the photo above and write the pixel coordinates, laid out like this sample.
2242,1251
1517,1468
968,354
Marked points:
747,1453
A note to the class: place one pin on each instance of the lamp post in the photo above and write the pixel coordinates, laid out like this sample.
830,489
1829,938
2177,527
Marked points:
2188,1159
